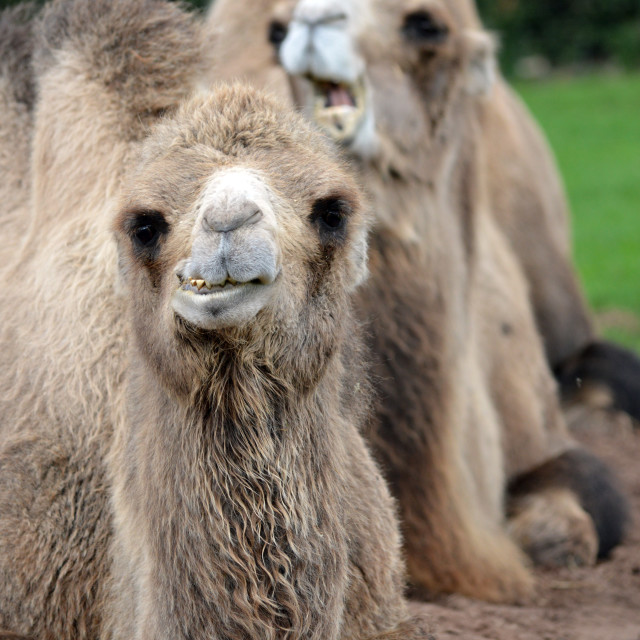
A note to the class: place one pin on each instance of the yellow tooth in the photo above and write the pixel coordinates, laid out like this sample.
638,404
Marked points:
199,284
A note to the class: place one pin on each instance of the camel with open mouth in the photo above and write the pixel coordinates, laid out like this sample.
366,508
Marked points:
467,426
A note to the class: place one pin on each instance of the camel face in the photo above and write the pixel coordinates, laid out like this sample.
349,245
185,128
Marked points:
222,258
366,67
216,236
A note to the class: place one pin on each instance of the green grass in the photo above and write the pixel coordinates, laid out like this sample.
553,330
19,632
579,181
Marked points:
593,124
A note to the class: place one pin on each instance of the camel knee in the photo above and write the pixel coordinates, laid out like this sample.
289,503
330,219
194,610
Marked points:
568,510
553,529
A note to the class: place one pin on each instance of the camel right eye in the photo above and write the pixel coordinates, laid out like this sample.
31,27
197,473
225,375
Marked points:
422,27
146,236
277,33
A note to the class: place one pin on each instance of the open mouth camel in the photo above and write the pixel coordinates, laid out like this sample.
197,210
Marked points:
180,410
467,425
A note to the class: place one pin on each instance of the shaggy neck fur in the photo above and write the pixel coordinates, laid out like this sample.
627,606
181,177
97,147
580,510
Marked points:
252,470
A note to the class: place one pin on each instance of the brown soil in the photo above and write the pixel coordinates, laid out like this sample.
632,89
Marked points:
598,603
617,319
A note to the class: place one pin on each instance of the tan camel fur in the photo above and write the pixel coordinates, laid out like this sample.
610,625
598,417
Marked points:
528,201
467,405
180,451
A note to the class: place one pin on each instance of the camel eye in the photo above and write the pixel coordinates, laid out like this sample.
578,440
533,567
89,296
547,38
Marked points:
422,27
146,235
330,216
145,230
277,33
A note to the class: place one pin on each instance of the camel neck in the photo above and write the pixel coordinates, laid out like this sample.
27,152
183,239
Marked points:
236,507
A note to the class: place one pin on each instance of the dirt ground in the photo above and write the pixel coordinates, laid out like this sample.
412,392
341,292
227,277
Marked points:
601,603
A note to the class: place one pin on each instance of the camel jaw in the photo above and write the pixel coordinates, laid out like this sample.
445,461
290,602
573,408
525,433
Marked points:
222,307
213,306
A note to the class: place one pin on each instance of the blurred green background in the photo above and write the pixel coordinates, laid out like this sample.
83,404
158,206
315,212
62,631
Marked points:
566,32
577,65
593,123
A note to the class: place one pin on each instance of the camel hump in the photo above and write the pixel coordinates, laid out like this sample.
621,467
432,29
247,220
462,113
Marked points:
16,50
138,50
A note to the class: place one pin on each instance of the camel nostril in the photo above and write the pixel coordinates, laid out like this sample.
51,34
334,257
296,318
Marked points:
224,220
256,216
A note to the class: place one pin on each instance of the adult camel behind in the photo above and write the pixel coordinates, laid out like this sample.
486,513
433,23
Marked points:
467,410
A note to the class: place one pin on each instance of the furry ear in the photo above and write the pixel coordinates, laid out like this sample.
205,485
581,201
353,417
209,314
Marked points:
359,260
481,62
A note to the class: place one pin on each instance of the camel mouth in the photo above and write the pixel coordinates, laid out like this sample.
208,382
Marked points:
338,107
211,306
200,286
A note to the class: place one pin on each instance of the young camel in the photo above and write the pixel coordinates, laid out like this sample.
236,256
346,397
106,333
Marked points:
467,406
181,455
525,191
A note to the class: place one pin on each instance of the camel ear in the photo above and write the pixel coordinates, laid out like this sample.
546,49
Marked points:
359,260
481,62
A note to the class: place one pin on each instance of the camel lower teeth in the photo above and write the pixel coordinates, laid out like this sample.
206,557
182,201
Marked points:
203,284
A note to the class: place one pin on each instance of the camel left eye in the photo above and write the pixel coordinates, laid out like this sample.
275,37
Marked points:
421,26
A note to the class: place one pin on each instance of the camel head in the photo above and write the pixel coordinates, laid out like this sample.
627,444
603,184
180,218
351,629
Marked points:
368,69
238,220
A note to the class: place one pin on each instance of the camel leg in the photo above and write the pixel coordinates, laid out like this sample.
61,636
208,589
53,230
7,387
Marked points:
553,529
567,511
